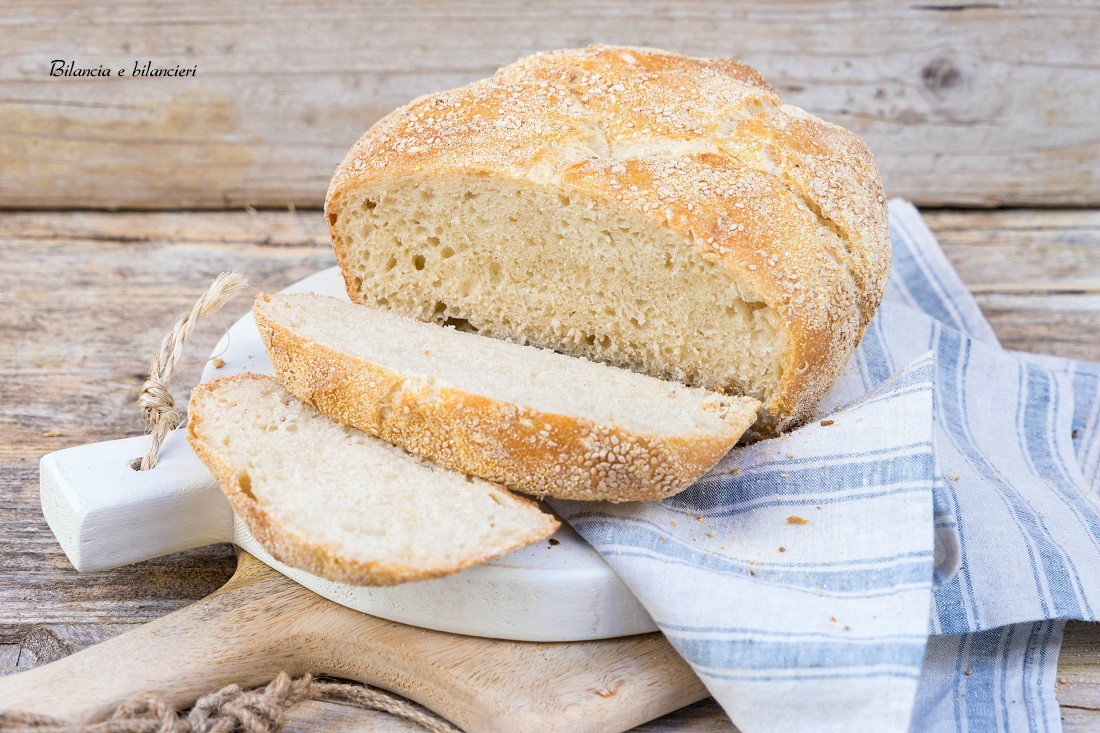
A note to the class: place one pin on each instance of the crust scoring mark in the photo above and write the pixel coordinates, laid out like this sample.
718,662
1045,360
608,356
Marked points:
735,123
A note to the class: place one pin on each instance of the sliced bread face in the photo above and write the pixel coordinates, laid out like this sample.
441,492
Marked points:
338,503
532,419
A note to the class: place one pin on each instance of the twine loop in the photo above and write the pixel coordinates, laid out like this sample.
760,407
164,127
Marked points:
158,409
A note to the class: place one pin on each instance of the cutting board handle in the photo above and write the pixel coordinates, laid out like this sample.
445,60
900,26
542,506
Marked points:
260,623
103,510
106,514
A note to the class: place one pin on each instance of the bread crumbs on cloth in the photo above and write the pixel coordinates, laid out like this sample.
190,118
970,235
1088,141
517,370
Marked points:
797,520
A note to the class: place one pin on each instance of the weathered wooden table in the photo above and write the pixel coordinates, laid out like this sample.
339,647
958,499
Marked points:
86,297
965,104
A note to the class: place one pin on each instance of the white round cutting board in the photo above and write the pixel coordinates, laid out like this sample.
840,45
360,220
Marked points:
549,591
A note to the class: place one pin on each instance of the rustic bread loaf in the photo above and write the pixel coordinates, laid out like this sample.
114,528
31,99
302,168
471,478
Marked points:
529,418
657,212
335,502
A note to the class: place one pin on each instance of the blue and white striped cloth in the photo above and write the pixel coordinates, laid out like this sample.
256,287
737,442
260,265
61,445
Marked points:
907,560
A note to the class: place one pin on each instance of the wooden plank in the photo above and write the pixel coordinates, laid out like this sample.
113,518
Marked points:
85,298
1035,274
1078,684
963,103
262,623
1024,251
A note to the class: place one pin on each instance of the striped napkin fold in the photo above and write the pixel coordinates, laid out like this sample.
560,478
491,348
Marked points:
905,561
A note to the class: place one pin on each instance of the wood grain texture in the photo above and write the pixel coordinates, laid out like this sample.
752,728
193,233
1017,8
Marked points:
85,298
261,623
963,103
1078,686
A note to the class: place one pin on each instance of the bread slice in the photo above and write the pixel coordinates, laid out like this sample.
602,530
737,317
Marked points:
534,420
653,211
335,502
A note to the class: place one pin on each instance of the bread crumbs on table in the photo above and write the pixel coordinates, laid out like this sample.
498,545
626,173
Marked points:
797,520
218,363
51,434
782,549
969,672
827,423
554,542
673,523
833,619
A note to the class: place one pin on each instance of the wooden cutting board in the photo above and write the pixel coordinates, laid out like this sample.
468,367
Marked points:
261,622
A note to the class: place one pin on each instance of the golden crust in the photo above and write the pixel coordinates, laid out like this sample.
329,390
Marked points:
528,450
320,559
792,205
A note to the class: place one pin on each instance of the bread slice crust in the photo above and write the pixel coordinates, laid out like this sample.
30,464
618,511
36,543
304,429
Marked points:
526,449
323,558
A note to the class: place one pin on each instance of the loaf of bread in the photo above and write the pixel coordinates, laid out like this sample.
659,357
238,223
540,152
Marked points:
661,213
534,420
335,502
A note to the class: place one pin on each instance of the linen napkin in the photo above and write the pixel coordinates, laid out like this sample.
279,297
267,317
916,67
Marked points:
907,559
